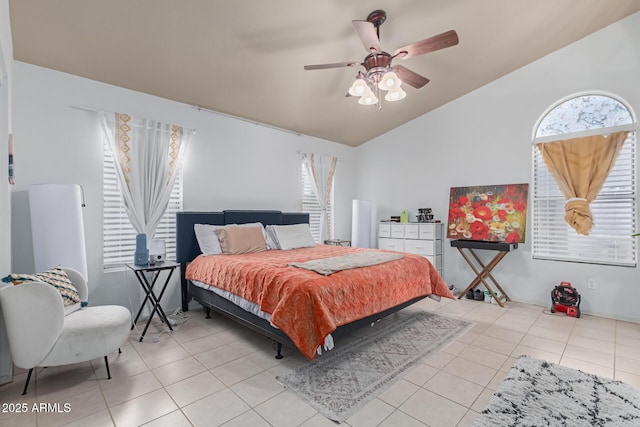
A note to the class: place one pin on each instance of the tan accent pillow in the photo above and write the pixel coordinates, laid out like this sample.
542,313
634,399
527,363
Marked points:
241,240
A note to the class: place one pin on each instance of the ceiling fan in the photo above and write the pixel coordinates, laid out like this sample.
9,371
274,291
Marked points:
379,74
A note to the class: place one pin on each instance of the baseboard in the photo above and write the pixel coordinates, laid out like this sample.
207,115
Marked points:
5,379
588,313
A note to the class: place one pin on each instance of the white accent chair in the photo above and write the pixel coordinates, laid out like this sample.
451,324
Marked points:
43,332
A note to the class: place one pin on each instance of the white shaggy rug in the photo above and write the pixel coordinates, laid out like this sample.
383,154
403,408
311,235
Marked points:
343,380
538,393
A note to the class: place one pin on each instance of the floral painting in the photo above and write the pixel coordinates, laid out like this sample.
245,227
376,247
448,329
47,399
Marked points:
491,213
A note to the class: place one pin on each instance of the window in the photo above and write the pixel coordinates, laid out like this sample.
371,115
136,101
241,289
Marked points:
119,236
614,210
310,205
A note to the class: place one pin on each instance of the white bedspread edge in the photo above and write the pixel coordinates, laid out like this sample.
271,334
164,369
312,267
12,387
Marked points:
255,310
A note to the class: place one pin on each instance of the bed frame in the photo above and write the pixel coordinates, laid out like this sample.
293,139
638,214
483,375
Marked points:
187,249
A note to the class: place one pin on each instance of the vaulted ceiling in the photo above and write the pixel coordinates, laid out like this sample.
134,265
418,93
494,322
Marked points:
245,58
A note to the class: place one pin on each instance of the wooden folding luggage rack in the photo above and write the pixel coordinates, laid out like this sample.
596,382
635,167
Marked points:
481,270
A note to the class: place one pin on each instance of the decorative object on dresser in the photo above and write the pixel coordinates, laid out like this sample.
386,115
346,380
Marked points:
424,215
423,239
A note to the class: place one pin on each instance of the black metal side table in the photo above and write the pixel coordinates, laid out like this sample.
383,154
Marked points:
156,269
482,270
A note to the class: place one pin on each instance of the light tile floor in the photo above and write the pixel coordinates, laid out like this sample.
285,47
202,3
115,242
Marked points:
213,372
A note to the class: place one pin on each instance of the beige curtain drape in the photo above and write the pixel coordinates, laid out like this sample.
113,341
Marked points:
580,167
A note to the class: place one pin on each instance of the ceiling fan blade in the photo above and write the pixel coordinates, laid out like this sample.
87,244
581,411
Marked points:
441,41
335,65
367,33
409,77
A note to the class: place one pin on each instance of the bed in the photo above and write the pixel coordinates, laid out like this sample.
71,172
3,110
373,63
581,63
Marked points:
298,308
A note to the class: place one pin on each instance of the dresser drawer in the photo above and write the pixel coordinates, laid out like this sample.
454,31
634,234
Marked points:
431,231
423,247
391,244
411,231
384,230
436,260
397,231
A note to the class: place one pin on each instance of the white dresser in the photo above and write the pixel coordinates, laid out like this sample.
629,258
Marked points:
417,238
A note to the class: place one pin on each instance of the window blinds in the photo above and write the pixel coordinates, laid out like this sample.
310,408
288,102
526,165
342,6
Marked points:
119,236
614,213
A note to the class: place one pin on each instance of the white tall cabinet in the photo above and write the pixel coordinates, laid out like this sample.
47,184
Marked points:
57,227
423,238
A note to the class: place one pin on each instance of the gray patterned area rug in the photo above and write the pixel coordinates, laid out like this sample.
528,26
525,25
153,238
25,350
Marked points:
539,393
343,380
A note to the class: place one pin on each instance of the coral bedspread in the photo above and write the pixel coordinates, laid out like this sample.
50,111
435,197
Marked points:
308,306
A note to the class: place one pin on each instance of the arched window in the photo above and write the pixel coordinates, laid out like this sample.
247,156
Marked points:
614,209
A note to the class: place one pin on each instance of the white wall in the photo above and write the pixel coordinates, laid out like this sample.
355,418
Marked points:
485,138
230,164
6,80
6,71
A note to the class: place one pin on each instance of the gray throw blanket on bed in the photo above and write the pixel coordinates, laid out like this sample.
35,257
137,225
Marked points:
327,266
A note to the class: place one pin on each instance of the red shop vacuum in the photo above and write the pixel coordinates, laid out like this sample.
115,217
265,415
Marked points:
565,299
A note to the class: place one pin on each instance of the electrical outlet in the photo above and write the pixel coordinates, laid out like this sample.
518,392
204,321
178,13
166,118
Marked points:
591,283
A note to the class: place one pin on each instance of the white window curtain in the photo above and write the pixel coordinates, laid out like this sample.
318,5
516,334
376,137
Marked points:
321,169
147,155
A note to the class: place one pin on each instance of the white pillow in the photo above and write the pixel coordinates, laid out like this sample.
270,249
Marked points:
208,239
271,238
293,236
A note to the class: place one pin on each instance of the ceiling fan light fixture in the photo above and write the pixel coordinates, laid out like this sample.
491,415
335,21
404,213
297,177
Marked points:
369,98
389,81
379,74
395,94
358,88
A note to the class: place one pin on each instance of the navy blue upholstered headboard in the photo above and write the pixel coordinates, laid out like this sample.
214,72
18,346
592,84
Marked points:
187,246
